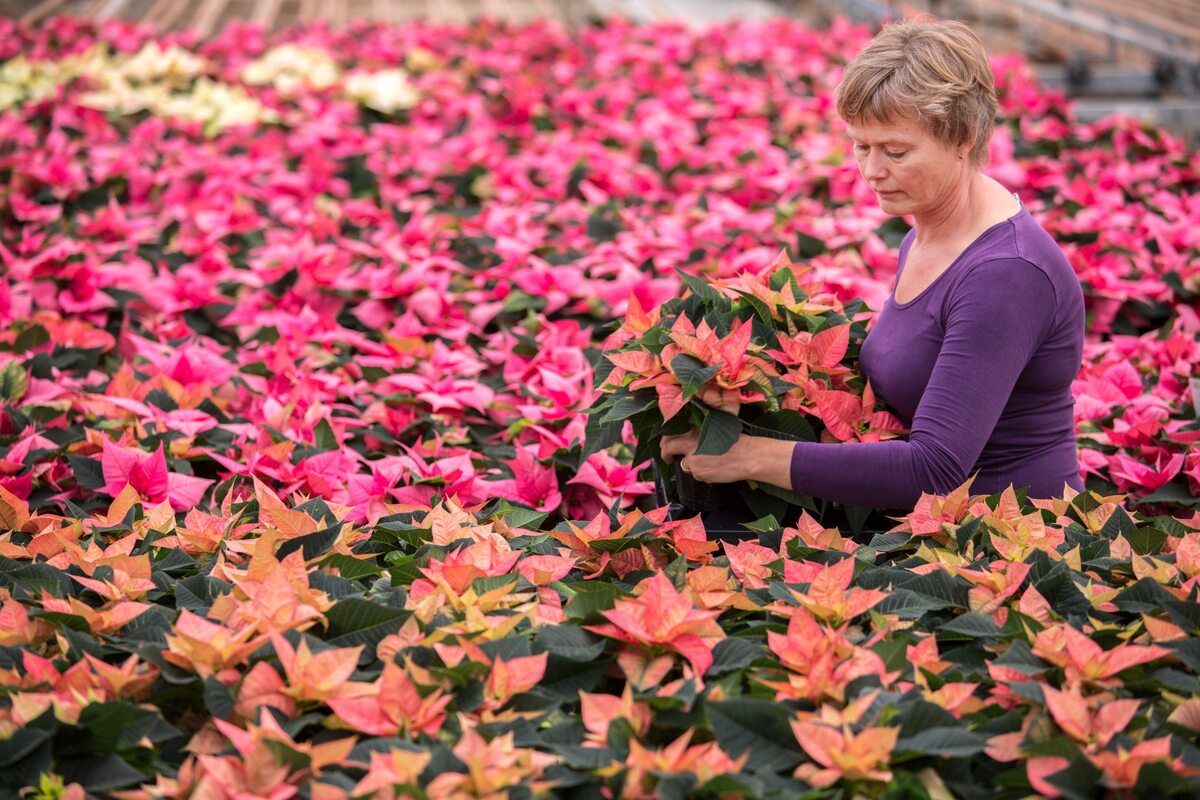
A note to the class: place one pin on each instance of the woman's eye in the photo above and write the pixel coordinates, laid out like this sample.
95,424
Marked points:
894,154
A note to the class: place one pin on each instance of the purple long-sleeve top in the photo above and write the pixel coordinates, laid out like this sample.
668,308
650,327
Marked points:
979,366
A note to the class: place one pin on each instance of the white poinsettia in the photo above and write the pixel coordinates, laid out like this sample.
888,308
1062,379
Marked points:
291,68
387,90
153,63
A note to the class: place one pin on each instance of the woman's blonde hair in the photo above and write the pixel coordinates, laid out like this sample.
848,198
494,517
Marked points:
930,69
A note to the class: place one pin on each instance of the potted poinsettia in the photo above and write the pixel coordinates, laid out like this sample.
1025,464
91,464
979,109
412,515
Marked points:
772,353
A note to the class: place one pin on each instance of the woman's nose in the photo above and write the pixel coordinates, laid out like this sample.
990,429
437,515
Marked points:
873,167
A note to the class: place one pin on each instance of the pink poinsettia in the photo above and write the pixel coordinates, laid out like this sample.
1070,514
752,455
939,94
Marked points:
148,475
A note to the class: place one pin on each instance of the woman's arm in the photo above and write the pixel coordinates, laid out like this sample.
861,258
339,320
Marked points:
754,458
994,324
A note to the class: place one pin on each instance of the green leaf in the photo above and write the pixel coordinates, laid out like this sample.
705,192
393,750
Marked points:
355,621
719,432
1078,781
705,291
521,517
119,725
101,774
599,436
1174,493
14,381
971,626
1119,523
945,742
628,406
808,246
218,698
198,593
1146,541
352,568
909,605
784,424
324,436
569,642
21,744
88,472
758,727
565,678
692,374
31,337
733,653
590,599
312,544
941,586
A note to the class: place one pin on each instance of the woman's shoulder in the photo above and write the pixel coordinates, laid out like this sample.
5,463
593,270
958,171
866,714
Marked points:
1019,244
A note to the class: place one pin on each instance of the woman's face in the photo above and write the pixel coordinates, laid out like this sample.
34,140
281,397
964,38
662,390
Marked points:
910,171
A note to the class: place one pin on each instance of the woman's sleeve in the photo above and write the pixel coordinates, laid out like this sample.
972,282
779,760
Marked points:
995,320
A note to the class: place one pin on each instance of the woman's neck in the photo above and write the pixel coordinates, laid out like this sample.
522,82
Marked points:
957,213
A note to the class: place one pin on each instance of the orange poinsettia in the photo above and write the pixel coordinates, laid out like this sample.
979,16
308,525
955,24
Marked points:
809,352
392,775
749,561
1083,660
804,294
742,375
705,761
391,706
956,697
815,535
270,594
712,587
594,561
599,711
844,755
209,648
269,763
314,677
661,618
993,586
110,618
16,627
829,596
937,515
1091,721
506,679
492,767
850,417
260,687
39,686
491,557
819,661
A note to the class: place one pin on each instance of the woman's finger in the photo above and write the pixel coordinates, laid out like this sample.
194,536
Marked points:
678,444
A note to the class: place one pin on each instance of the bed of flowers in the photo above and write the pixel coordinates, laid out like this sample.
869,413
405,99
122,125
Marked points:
297,333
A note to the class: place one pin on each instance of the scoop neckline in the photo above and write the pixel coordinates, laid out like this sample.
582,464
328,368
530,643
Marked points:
892,296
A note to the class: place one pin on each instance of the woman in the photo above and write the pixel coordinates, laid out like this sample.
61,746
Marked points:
976,347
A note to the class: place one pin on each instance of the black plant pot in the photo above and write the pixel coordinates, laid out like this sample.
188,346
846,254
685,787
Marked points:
699,496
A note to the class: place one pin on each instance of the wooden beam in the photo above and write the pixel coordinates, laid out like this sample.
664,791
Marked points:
266,12
207,17
165,14
110,9
42,9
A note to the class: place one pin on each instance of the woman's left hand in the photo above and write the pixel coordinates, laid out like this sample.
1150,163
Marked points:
755,458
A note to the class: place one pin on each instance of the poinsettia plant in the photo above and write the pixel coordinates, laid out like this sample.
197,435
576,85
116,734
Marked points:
772,353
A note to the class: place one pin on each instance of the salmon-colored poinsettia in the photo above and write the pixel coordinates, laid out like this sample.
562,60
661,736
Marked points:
829,596
843,754
391,706
491,767
705,761
1083,660
819,660
662,618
